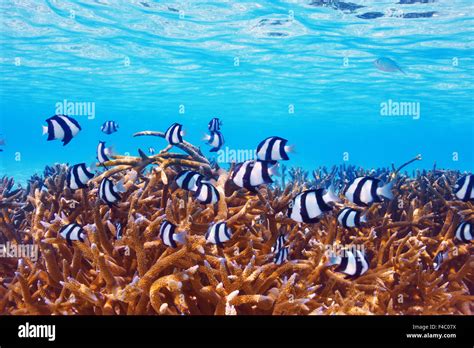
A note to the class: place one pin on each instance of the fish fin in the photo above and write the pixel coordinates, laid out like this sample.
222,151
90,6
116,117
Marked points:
274,170
363,218
331,196
290,148
214,149
333,260
183,133
142,154
386,190
93,167
119,186
45,130
206,137
180,237
110,151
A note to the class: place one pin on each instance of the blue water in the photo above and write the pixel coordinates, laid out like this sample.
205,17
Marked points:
248,63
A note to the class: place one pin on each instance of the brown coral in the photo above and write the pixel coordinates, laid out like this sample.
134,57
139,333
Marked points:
138,274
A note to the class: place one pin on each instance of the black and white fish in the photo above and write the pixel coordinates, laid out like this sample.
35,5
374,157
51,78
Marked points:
207,193
364,191
119,231
151,151
189,180
308,206
61,127
218,233
273,149
72,232
169,236
103,152
78,176
215,139
109,127
174,134
464,232
214,125
250,174
110,193
350,218
279,243
349,263
439,259
464,188
281,256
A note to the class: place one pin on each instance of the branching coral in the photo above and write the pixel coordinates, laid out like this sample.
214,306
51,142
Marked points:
137,274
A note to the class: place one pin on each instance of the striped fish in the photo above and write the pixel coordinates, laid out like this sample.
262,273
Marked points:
464,232
218,233
189,180
281,256
273,149
214,125
308,206
61,127
151,151
78,176
439,259
364,191
354,265
109,127
350,218
174,134
464,188
280,243
216,140
250,174
168,234
110,193
207,193
103,152
72,232
119,230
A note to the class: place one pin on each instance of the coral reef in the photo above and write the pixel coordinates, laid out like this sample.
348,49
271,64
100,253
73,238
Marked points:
123,267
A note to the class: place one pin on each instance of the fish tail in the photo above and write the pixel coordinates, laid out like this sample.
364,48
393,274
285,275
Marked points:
45,130
333,260
290,148
274,170
331,196
386,190
180,237
119,187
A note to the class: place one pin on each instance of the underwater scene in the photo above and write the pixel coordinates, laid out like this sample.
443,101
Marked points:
299,157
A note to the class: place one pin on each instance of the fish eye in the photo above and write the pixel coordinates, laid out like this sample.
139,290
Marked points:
290,205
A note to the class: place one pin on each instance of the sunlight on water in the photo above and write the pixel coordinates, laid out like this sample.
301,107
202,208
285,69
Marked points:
299,69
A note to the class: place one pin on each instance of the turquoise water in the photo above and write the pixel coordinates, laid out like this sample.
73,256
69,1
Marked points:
302,70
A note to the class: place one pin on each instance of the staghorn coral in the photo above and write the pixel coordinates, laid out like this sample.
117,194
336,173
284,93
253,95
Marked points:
138,274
